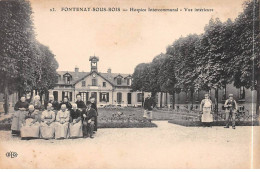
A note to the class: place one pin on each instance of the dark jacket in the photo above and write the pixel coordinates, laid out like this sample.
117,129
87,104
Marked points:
20,104
75,114
68,105
81,104
55,104
91,114
148,103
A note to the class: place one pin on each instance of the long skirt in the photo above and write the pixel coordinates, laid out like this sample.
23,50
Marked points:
207,116
61,130
17,120
75,130
32,131
47,131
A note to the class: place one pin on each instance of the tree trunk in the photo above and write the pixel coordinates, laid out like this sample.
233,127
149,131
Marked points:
6,95
216,100
191,96
173,100
257,94
161,99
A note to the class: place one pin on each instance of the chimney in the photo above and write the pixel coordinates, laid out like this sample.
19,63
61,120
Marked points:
109,70
76,72
76,69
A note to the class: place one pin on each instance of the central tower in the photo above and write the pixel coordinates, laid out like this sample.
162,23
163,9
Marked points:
93,63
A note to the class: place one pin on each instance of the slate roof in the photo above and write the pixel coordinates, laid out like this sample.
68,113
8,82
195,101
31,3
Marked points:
78,76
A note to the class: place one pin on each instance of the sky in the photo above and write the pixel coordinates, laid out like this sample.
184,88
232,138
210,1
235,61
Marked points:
122,39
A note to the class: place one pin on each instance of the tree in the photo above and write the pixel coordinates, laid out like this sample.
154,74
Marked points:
16,48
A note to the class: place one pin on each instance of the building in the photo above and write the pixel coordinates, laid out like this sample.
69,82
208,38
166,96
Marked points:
108,88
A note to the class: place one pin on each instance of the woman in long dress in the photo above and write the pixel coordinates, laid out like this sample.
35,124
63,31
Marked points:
47,123
206,110
75,126
20,108
31,126
62,123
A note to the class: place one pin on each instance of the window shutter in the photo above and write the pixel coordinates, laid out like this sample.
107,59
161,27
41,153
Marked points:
70,96
63,95
107,97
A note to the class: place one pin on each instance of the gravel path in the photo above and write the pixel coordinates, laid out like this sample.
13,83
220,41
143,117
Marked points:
168,146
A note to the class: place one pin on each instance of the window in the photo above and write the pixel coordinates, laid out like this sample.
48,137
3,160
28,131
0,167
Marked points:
104,84
119,97
119,81
94,82
67,78
140,97
242,94
67,94
128,81
197,96
84,96
55,94
104,97
83,83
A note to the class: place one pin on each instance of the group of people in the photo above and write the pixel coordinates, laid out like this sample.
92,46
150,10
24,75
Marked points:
206,109
54,120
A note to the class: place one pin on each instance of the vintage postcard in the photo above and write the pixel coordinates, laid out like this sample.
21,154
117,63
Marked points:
129,84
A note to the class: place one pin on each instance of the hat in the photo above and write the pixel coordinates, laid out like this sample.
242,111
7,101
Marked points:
230,95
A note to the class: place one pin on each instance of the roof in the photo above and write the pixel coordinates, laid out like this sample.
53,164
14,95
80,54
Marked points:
78,76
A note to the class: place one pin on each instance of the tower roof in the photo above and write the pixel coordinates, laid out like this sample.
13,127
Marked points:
93,57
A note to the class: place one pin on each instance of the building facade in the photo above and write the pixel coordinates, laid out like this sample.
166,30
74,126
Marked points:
108,88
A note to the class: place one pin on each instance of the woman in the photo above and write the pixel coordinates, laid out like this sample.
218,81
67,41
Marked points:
206,110
37,103
30,125
20,108
47,123
75,122
62,123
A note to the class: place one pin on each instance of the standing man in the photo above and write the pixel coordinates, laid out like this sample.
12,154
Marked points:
231,110
148,107
80,104
94,106
66,102
55,104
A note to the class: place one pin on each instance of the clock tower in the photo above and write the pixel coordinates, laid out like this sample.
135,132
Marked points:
93,63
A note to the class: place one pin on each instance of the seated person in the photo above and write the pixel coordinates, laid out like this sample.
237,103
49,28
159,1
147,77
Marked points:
62,123
75,122
88,117
30,125
47,123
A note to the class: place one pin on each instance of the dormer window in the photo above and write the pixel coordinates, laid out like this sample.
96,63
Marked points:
119,81
67,78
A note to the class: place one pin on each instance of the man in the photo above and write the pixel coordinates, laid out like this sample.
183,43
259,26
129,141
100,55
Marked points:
88,118
148,107
28,98
231,110
80,104
66,102
94,106
55,104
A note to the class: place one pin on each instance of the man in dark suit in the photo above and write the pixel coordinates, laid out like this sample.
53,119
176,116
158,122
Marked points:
80,104
88,117
66,102
94,106
148,107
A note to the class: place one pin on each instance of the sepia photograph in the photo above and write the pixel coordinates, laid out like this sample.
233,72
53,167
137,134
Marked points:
133,84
